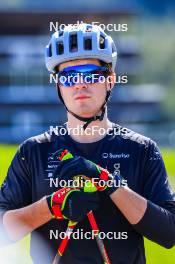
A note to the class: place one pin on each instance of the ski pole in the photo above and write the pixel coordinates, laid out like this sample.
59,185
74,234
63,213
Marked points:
64,242
100,243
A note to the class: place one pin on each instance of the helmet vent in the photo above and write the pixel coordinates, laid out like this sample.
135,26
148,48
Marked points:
102,42
60,48
88,44
73,43
50,51
88,28
61,33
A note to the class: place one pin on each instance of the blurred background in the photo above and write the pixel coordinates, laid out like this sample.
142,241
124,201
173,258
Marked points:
29,104
146,103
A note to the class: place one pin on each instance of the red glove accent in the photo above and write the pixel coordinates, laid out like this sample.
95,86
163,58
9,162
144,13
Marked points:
57,201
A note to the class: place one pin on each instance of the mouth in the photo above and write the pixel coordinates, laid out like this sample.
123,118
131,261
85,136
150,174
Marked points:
82,97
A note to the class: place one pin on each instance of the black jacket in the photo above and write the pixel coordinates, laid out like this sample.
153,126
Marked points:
134,156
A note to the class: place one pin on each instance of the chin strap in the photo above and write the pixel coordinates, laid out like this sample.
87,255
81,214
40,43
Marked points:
87,120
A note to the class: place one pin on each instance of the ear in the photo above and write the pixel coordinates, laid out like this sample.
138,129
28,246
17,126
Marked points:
111,80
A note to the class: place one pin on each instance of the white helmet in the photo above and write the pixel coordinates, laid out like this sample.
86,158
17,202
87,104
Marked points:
80,42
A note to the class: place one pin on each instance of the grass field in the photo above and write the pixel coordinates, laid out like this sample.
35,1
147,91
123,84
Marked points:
19,252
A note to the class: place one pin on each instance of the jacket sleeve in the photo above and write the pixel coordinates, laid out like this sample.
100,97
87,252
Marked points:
158,222
16,189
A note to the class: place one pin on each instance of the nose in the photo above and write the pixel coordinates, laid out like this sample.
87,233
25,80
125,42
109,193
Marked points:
80,84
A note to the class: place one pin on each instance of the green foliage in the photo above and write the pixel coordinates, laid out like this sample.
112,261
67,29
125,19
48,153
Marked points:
156,41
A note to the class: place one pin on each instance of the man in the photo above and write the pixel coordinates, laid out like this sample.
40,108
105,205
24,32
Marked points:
29,200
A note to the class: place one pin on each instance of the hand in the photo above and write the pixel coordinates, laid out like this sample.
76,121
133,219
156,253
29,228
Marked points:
70,167
71,203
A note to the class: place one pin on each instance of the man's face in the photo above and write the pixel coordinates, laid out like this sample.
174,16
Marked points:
83,99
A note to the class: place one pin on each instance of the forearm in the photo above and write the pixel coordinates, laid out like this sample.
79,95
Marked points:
148,219
21,222
131,204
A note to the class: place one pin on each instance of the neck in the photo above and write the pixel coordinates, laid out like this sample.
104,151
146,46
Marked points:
95,131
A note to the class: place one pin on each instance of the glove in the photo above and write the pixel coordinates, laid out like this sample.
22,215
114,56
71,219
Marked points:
71,203
70,167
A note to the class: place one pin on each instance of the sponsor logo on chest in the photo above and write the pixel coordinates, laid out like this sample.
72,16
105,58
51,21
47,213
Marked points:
110,155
